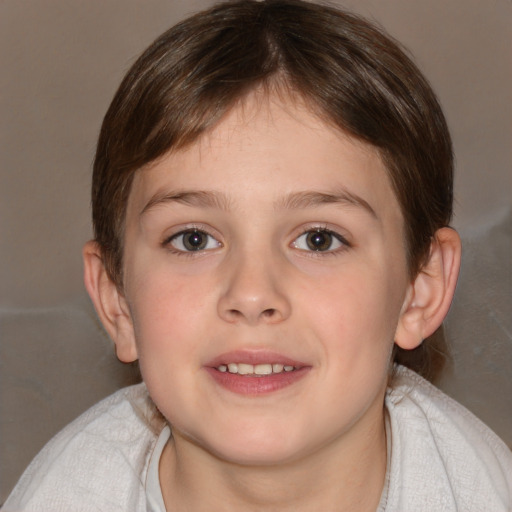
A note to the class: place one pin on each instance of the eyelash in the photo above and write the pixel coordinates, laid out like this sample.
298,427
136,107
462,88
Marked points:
168,242
336,237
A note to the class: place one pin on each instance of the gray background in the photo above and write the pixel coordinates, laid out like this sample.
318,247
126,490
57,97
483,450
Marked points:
61,62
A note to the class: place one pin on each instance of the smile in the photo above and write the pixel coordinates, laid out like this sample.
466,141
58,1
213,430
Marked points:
255,370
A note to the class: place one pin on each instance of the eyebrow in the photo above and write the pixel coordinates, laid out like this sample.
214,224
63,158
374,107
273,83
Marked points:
293,201
198,198
301,200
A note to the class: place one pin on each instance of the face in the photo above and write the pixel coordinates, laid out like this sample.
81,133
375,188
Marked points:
265,275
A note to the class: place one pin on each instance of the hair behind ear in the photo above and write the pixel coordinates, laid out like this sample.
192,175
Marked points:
428,359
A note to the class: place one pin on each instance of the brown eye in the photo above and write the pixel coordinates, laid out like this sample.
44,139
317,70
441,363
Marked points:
193,240
319,240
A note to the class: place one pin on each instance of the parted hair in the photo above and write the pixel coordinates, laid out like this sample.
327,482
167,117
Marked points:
350,72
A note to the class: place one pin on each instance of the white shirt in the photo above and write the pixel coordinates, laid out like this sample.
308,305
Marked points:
441,458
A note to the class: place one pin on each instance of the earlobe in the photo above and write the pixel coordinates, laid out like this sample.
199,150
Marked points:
429,297
109,303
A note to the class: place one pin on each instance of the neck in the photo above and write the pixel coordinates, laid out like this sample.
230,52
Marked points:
346,474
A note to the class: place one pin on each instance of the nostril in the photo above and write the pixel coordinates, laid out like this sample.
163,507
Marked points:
267,313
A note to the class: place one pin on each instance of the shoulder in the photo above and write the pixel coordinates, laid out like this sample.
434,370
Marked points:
442,456
98,462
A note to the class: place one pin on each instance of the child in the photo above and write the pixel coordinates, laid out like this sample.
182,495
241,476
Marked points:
272,192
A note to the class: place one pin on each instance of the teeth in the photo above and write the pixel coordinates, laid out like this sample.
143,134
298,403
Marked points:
257,369
245,369
263,369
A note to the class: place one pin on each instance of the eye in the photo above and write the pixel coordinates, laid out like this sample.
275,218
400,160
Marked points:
319,240
192,240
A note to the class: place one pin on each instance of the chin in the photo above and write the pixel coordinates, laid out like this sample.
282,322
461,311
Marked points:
265,447
262,456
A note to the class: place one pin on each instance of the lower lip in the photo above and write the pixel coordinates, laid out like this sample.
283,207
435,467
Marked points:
249,385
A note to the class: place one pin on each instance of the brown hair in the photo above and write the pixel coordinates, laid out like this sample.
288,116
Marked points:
351,73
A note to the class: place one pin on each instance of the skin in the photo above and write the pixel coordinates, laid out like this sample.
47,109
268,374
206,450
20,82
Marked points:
270,173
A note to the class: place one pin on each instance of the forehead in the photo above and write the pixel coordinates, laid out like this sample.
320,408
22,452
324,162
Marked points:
265,148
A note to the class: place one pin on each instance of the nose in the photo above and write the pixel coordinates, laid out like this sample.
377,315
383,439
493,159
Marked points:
254,292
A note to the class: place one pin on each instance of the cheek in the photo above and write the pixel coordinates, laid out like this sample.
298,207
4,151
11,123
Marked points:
168,312
357,311
168,326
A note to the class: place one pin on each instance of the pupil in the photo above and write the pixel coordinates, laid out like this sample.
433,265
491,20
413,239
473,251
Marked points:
319,240
194,241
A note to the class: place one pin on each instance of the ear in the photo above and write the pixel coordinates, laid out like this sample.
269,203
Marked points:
429,296
109,302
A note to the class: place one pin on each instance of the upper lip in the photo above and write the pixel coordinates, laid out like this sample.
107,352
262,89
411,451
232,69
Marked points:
254,357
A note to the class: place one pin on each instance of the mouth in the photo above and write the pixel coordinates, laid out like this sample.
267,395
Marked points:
256,373
255,370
